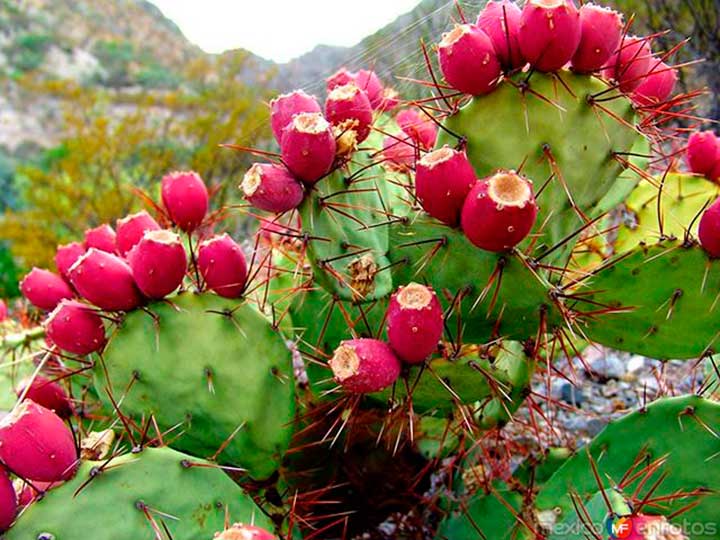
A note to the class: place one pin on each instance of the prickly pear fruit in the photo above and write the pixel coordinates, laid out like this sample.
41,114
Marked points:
398,153
709,229
468,60
45,289
8,501
76,328
27,494
658,86
308,146
185,197
549,33
3,310
703,152
499,211
46,392
158,263
418,127
364,365
66,255
500,20
646,527
368,81
600,36
102,238
443,179
390,100
272,188
106,281
244,532
348,109
285,106
630,64
222,265
130,230
36,444
340,78
414,322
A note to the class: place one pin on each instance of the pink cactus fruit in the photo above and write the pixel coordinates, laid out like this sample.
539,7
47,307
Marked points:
348,109
500,20
709,230
158,263
658,86
185,198
419,127
364,365
46,392
102,238
370,83
549,33
390,100
703,152
285,106
399,153
340,78
308,146
66,255
600,36
630,64
3,310
222,264
646,527
443,178
499,211
76,328
244,532
8,501
105,280
468,60
36,444
414,322
714,173
271,188
45,289
27,494
130,230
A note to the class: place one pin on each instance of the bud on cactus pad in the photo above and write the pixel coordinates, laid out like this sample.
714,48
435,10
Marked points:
76,328
364,365
102,238
549,33
308,146
709,230
601,33
106,281
244,532
421,129
8,501
36,444
66,255
130,230
703,152
500,20
222,265
348,109
48,393
499,211
185,197
158,263
468,60
271,188
44,289
414,322
286,106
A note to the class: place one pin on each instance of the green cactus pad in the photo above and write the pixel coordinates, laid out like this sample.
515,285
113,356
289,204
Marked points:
680,430
662,301
552,116
205,366
119,499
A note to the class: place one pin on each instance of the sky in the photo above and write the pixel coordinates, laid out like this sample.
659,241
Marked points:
280,29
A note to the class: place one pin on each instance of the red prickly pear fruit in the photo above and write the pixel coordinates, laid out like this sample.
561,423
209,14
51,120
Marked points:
105,280
414,322
399,153
130,230
364,365
3,310
27,494
703,152
370,83
348,109
600,36
714,173
390,100
468,60
37,445
185,197
48,393
340,78
443,179
308,146
630,64
8,501
646,527
499,211
45,289
272,188
657,87
285,106
419,127
158,263
549,33
500,20
222,264
76,328
67,255
245,532
709,230
102,238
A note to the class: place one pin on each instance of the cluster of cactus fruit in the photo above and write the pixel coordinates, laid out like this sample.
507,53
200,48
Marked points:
415,263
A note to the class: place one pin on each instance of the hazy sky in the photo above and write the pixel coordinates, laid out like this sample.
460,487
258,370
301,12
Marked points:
280,29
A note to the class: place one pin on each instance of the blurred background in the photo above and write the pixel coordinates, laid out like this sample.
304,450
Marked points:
99,98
